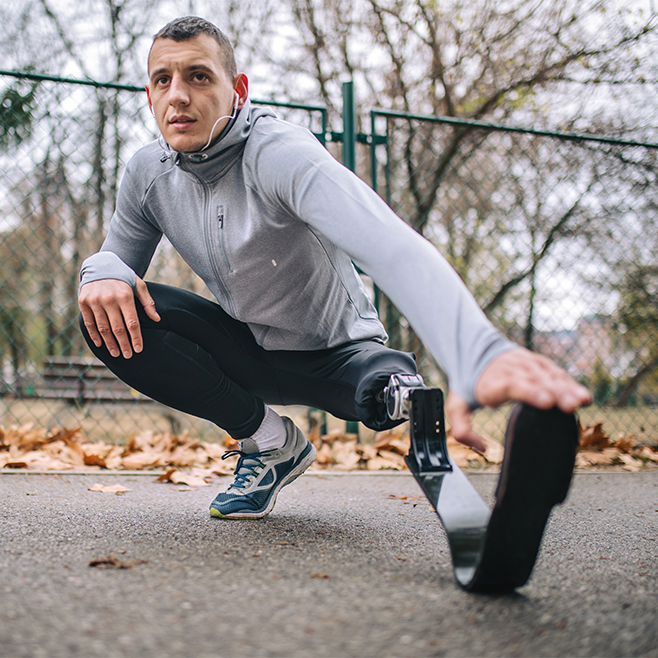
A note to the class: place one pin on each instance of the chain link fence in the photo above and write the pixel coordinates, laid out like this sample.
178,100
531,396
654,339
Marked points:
555,235
63,148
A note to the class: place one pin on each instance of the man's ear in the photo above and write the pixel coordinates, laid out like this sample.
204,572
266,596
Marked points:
241,86
148,96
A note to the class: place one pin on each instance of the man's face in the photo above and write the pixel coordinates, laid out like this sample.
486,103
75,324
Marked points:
189,90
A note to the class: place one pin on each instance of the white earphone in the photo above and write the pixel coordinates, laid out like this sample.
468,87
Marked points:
228,116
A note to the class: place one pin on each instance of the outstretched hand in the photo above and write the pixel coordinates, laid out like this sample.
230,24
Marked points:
110,316
519,375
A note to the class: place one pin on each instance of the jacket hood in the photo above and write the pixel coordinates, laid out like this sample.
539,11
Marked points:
211,163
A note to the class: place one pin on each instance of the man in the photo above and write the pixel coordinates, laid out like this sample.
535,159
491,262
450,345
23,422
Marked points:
272,223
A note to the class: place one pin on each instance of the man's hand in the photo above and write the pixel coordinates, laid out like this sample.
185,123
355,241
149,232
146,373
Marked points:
110,314
519,375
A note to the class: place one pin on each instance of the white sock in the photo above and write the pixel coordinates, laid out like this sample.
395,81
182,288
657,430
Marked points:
269,436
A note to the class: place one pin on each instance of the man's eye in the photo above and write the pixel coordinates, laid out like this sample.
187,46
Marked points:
161,81
200,77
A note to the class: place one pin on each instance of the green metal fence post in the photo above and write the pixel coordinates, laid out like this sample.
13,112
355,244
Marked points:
349,126
349,160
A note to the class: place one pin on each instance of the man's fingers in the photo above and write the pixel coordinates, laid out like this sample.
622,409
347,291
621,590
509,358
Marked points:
117,329
110,316
90,325
460,422
104,329
529,377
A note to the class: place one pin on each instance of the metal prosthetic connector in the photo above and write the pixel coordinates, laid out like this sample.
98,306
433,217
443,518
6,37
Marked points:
398,395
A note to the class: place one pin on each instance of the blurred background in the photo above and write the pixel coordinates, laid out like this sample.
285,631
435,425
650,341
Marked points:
519,137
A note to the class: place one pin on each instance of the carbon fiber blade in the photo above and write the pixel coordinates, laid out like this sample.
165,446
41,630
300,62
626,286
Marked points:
463,514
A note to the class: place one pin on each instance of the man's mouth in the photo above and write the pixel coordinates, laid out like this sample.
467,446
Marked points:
181,121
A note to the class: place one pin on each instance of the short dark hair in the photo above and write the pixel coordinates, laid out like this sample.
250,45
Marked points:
188,27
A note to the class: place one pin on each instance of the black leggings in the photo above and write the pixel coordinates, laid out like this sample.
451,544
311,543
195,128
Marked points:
200,360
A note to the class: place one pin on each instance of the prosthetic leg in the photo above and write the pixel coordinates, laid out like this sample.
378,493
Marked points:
493,551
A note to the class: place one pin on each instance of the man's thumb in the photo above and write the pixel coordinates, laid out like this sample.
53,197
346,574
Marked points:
142,291
460,422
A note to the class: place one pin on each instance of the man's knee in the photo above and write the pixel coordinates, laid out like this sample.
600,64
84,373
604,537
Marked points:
368,399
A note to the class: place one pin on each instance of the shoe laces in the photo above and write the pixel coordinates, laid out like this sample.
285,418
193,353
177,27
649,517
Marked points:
249,466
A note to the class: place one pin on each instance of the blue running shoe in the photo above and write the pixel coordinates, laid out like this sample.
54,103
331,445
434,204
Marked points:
260,476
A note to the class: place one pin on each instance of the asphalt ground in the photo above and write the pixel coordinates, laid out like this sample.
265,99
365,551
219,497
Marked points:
349,565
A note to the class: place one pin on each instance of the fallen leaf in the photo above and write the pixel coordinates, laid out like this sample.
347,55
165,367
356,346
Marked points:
94,460
332,436
392,442
325,455
594,438
381,463
179,477
140,460
630,464
625,443
602,458
324,576
113,562
394,457
113,488
648,453
166,475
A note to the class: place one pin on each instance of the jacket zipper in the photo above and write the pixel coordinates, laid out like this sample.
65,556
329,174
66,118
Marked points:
222,240
211,252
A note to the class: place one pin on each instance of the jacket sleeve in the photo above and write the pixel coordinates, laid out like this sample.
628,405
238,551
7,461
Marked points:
313,186
131,239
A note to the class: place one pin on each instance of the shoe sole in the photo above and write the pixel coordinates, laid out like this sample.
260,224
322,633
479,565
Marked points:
540,452
292,476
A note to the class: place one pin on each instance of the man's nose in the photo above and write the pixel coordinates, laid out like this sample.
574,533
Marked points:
178,91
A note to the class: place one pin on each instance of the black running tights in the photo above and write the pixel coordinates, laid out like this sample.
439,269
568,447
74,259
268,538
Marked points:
200,360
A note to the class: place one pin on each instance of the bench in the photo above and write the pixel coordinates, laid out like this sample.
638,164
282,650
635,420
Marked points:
79,380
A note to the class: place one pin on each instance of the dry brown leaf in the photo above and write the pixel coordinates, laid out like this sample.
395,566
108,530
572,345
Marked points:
113,562
345,455
630,464
381,464
594,438
140,460
314,437
223,467
178,477
64,435
214,450
596,458
394,457
648,453
109,488
463,455
325,455
184,456
625,443
367,451
231,444
94,460
76,451
165,477
332,436
392,442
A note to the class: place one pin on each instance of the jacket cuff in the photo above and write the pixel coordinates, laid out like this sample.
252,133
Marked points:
106,265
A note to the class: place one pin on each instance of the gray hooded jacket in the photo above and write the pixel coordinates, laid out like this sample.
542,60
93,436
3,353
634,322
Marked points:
272,223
